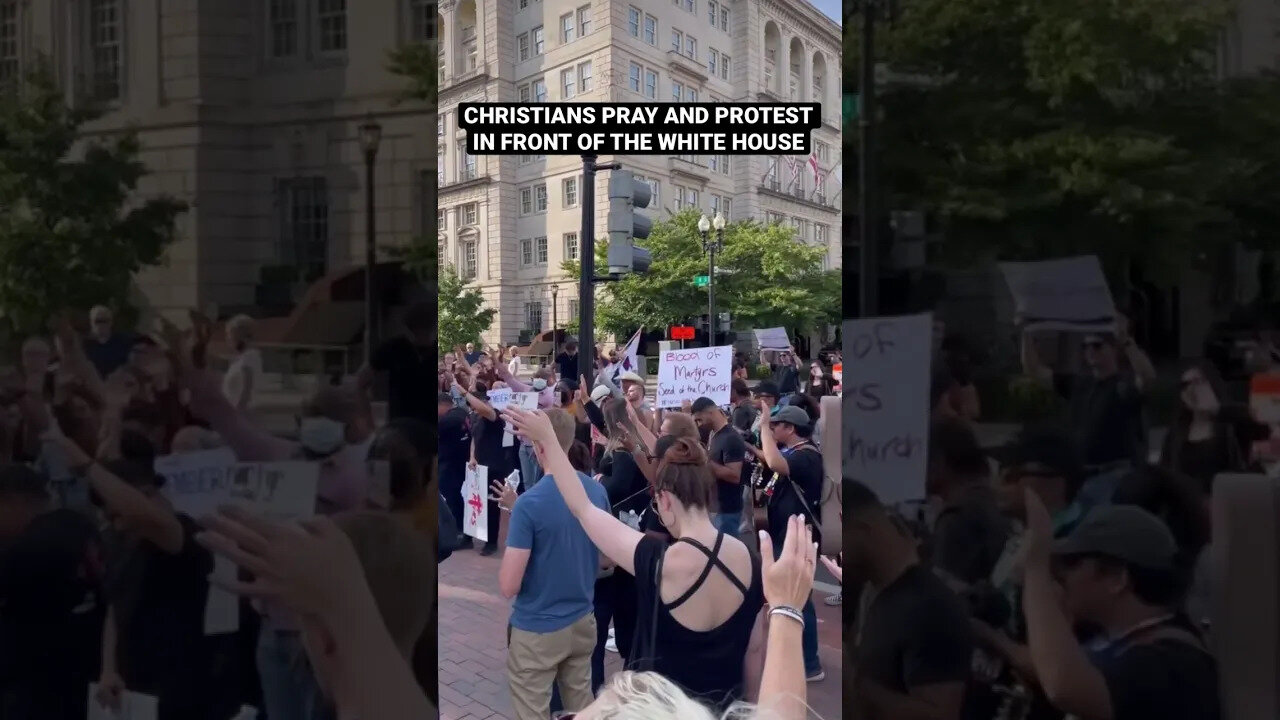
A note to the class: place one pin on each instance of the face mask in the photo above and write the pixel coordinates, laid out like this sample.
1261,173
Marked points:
539,384
321,436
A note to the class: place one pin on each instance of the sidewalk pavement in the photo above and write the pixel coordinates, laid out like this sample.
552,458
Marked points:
473,617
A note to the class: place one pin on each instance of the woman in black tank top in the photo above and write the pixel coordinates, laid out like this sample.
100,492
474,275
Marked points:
708,664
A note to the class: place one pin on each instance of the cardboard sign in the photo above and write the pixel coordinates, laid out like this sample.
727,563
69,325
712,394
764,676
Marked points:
772,338
693,373
133,706
1069,294
499,397
475,503
886,406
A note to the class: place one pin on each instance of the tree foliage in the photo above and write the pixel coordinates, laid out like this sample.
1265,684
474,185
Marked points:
72,231
1035,128
764,277
462,313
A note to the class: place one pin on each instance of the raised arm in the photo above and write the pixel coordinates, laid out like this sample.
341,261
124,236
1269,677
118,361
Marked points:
769,446
613,537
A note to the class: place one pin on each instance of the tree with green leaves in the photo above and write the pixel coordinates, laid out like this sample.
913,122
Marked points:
463,316
1040,128
765,277
73,232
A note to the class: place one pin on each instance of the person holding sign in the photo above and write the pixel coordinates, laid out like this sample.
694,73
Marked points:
488,432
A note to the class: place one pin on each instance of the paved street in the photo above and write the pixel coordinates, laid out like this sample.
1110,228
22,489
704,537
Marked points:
473,616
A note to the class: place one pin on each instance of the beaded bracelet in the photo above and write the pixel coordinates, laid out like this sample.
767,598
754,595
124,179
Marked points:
787,611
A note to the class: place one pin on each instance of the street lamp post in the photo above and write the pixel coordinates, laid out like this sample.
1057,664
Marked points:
555,322
710,246
370,138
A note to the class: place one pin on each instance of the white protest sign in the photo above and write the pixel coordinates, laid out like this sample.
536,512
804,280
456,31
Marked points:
1069,294
524,401
886,404
693,373
772,338
133,706
475,505
196,482
499,397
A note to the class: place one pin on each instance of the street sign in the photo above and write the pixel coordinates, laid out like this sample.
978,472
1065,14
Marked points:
701,280
682,332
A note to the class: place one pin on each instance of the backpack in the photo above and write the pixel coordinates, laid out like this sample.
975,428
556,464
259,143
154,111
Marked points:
827,517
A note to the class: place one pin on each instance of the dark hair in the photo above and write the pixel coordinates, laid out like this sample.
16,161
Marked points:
571,345
954,444
409,471
20,482
683,472
738,388
1174,498
702,403
580,457
1157,587
857,497
1176,437
1048,445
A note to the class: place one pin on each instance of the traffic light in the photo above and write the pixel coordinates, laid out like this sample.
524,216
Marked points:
626,196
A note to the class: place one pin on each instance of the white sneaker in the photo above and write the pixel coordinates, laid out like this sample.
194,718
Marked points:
832,600
611,644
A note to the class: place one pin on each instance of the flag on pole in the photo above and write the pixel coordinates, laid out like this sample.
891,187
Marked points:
795,172
813,163
629,361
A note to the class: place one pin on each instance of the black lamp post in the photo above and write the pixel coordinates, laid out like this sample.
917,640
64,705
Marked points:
710,246
370,138
555,321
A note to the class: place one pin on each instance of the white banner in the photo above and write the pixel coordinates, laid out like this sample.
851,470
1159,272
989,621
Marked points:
886,405
693,373
475,503
772,338
1070,294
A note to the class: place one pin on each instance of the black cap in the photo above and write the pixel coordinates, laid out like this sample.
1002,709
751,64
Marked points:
768,387
1122,532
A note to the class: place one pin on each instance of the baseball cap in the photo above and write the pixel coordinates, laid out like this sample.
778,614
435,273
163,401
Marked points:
791,415
599,393
1122,532
768,387
630,377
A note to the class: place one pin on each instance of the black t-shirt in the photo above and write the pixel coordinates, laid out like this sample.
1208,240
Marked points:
51,616
804,463
407,377
455,436
707,665
567,366
109,356
489,451
787,377
1165,678
727,446
915,633
1105,417
158,601
743,417
626,484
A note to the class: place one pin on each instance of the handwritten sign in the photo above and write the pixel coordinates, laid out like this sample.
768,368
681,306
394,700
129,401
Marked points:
475,505
499,397
886,405
772,338
133,706
196,483
694,373
1069,294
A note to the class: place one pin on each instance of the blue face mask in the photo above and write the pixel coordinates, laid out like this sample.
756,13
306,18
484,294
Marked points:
539,384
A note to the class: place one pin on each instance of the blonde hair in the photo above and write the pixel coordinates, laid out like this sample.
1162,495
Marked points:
681,425
399,565
650,696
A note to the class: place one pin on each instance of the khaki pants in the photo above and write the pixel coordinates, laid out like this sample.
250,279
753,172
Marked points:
535,660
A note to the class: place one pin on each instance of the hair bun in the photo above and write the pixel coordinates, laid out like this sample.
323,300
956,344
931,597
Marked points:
685,451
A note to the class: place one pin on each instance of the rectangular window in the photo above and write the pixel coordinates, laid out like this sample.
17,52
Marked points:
568,30
440,167
539,90
442,220
540,250
538,44
533,316
571,249
713,59
691,47
823,151
440,127
569,192
724,18
820,234
650,84
10,59
304,225
654,186
584,20
573,308
677,91
724,164
526,252
540,198
633,77
105,49
466,163
470,260
651,30
713,9
282,21
633,21
522,45
680,191
691,95
524,94
584,76
724,67
526,200
331,22
677,40
689,6
524,4
715,205
471,213
693,197
422,16
568,84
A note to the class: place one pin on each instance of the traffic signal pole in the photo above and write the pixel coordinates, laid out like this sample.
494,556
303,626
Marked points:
586,282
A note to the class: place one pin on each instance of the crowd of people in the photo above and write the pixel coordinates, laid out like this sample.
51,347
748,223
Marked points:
1063,575
634,529
103,582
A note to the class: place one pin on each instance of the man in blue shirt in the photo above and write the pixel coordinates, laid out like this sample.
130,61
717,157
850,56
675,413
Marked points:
549,567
